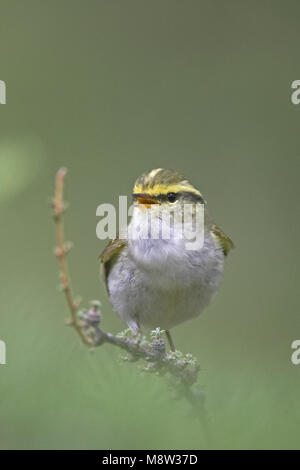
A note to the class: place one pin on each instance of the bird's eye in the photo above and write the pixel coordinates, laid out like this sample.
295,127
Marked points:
171,197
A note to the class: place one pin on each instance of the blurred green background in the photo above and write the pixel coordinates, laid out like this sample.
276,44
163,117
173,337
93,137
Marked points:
111,89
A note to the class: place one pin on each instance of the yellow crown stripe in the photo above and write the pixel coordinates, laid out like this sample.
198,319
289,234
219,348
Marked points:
165,189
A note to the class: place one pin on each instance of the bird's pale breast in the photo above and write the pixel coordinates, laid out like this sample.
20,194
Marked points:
157,284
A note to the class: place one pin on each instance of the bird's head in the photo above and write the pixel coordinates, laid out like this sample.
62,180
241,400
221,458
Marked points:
165,215
166,188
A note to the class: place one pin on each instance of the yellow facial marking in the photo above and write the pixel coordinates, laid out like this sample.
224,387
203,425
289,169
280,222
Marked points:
165,189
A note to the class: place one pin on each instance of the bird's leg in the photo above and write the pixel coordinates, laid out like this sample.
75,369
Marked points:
170,340
135,327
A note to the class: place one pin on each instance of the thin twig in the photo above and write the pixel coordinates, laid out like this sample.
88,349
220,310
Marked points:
61,250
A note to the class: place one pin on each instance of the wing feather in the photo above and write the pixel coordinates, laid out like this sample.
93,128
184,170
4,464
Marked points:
109,256
222,239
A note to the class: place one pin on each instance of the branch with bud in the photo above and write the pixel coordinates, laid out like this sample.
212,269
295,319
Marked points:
181,368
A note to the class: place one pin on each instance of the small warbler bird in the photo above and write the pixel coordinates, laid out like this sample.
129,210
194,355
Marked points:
159,281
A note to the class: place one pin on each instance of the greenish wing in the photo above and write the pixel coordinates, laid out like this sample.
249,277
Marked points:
222,239
110,255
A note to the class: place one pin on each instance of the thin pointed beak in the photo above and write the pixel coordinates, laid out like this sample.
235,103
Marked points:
144,200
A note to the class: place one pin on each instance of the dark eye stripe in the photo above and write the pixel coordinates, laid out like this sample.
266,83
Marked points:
187,195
